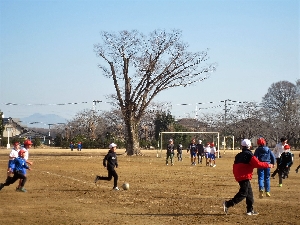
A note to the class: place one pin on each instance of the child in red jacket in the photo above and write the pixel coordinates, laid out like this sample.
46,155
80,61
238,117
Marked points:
243,166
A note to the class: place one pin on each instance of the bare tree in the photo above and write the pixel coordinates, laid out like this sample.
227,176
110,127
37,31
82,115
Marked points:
281,106
143,66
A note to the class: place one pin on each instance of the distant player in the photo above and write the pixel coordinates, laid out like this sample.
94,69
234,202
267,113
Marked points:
179,151
193,151
212,155
170,152
207,153
200,152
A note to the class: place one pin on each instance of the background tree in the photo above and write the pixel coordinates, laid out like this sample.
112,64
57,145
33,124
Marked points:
143,66
281,109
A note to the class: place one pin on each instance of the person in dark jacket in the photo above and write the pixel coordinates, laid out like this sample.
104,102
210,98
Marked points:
170,152
264,154
179,151
200,152
110,162
193,151
243,166
285,163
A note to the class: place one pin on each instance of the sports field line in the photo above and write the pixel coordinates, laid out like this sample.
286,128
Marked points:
70,178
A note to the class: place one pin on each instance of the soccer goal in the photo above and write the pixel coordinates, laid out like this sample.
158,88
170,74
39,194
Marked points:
185,139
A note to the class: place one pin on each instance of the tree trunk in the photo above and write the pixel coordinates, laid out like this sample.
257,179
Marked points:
132,144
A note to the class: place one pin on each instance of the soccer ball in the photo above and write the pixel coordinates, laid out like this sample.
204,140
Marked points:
125,186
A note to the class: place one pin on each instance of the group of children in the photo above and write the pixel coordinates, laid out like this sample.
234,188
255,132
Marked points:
263,159
197,151
79,146
18,165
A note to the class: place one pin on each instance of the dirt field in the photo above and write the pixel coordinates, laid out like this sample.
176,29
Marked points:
61,190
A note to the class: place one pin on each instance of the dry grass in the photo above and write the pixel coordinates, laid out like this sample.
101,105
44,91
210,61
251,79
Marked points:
61,190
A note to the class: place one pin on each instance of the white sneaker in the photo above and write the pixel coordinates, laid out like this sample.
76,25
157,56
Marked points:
116,189
225,208
252,213
214,165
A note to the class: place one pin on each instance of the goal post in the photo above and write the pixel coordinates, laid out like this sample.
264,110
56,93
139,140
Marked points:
163,133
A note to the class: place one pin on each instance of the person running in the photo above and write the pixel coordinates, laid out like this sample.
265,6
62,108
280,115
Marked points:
212,155
264,154
200,152
243,166
20,167
170,152
285,163
27,146
193,151
110,162
278,150
207,153
179,151
11,165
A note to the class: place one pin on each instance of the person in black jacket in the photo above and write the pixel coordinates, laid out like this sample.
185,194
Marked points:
200,152
110,162
285,163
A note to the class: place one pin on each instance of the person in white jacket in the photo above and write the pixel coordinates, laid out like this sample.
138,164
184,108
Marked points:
277,151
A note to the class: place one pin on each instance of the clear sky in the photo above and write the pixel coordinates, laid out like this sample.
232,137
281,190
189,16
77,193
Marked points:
47,57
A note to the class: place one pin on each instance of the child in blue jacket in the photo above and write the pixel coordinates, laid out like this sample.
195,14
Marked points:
264,154
20,167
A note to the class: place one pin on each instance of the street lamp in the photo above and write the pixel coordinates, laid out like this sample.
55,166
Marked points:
50,124
8,129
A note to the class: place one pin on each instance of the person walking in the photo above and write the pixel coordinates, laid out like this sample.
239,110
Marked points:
193,151
71,146
278,150
200,152
20,167
212,155
170,152
243,166
207,153
179,151
264,154
285,163
79,146
110,162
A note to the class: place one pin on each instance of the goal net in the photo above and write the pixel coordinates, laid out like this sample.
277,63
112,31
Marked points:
185,138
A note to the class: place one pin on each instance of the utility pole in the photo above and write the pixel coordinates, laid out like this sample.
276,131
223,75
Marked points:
94,104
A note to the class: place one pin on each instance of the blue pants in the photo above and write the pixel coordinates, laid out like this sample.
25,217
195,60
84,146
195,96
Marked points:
264,179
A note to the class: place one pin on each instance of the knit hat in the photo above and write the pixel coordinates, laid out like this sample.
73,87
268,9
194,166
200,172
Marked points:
287,147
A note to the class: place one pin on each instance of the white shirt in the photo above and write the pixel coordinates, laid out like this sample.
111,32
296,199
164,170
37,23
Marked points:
207,149
14,154
213,150
278,150
26,156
